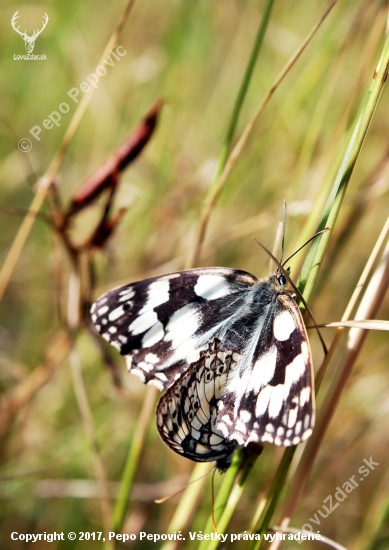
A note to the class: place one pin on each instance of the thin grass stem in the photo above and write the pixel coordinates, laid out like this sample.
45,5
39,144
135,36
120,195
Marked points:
319,245
133,457
331,210
188,503
45,182
218,186
230,507
242,92
195,250
374,293
225,491
87,419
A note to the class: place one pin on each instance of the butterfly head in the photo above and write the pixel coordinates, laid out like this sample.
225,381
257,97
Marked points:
279,279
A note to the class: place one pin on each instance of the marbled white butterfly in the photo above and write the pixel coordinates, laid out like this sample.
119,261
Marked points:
231,351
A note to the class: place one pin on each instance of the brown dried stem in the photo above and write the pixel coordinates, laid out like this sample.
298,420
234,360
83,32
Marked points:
45,183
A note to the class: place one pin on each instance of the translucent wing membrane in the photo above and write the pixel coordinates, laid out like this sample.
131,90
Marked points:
186,414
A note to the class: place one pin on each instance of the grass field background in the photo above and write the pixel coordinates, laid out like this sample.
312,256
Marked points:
193,56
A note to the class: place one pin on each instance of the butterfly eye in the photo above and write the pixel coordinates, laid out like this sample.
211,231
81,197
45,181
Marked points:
281,279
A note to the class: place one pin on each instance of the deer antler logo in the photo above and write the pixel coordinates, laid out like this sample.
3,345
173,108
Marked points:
29,41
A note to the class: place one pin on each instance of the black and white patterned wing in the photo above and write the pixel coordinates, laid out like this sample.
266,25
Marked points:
186,413
161,324
272,398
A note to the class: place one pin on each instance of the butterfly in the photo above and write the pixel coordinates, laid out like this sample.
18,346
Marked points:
230,351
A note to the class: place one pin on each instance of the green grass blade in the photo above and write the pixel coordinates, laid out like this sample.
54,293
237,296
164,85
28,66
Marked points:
225,491
242,93
313,260
195,252
331,210
133,459
234,468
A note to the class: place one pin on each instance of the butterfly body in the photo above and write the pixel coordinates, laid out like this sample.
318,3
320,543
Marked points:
222,339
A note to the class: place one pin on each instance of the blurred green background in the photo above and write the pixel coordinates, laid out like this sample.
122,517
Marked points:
193,55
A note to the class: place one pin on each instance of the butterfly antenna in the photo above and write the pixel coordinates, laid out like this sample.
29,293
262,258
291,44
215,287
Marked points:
301,247
286,275
283,234
164,499
213,501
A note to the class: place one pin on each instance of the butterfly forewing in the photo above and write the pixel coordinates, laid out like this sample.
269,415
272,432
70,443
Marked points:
161,324
273,400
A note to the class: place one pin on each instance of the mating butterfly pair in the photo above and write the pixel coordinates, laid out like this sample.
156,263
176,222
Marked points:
231,351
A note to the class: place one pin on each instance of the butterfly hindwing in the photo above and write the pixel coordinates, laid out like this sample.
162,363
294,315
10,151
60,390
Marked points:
161,324
186,413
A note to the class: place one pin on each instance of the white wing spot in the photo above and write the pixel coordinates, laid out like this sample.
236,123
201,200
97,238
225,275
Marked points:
305,352
253,437
145,367
292,417
143,322
126,294
307,421
276,400
226,419
305,395
211,287
263,371
103,310
116,313
269,428
155,383
262,401
245,416
294,372
112,330
154,335
284,325
152,358
157,294
240,426
122,339
182,325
